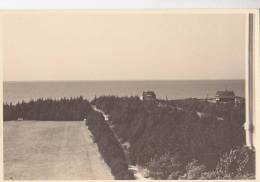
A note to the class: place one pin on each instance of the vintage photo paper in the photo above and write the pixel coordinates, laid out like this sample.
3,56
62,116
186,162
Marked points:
130,94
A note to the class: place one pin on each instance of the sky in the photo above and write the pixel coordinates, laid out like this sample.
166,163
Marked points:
123,45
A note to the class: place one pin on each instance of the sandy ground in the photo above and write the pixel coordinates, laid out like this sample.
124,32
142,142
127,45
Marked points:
38,150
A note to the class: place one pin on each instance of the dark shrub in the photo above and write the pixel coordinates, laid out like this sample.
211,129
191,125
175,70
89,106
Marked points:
124,175
118,165
108,146
164,166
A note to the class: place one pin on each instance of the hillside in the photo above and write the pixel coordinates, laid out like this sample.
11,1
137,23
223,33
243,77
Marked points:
175,130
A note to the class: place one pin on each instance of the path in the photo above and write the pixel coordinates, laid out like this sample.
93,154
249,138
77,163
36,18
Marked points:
40,150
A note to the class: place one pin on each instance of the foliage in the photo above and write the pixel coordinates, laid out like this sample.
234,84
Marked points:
194,170
108,146
236,164
73,109
167,166
153,131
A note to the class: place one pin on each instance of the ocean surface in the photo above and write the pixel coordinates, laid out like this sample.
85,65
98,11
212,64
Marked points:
25,91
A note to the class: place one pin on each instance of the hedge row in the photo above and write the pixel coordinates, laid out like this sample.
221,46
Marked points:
108,146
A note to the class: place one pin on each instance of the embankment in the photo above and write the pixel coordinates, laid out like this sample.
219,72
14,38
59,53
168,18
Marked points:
108,146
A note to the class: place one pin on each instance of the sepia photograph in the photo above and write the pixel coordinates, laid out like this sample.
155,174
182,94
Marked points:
129,94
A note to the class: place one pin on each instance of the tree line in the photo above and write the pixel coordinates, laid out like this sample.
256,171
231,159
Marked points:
65,109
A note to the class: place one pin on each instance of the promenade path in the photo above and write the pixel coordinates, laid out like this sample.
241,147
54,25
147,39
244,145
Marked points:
51,150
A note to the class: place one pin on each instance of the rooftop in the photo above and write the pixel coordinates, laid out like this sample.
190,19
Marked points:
225,93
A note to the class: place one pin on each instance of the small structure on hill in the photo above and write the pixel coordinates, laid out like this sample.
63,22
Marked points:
148,96
225,96
239,100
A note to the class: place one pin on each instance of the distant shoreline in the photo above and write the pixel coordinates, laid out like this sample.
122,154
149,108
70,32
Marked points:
15,91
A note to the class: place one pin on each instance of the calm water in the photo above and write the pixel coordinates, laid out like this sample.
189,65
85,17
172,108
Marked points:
18,91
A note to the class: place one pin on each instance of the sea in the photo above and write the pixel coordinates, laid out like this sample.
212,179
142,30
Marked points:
171,89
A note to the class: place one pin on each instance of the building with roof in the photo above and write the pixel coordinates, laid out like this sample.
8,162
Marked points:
225,96
149,96
239,100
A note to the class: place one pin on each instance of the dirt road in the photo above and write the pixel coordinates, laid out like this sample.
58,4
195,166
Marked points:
38,150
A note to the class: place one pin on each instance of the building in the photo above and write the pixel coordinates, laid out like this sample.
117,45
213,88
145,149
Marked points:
149,96
225,96
239,100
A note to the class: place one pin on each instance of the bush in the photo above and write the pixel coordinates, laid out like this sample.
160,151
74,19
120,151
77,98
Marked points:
174,175
108,146
167,166
194,170
124,175
118,165
238,163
